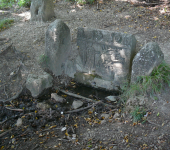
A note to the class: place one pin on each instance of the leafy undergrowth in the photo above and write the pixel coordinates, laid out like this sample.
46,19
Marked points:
4,4
5,23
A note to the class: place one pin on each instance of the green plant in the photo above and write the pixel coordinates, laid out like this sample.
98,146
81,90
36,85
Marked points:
90,1
81,2
43,59
6,3
5,23
153,83
138,114
24,3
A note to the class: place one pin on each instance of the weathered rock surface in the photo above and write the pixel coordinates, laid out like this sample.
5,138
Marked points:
43,106
149,57
37,84
111,98
42,10
76,104
105,57
57,98
19,122
58,46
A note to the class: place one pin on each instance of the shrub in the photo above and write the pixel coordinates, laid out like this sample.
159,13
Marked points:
24,3
138,114
5,23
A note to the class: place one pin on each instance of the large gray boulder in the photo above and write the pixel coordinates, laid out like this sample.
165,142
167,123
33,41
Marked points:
58,46
105,57
38,84
42,10
149,57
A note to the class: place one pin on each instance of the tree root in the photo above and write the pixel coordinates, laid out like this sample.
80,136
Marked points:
77,110
87,99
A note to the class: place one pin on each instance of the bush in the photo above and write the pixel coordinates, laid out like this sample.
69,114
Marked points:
9,3
5,23
138,114
24,3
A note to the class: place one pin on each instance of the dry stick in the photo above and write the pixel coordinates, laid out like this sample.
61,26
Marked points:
82,97
12,98
153,123
14,109
77,110
5,92
4,133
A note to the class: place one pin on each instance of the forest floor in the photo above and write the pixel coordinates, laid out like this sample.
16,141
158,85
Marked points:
88,129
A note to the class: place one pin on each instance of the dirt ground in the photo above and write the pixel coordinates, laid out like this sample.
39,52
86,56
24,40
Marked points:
88,130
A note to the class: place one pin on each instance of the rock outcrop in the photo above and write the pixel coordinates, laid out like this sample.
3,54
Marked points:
149,57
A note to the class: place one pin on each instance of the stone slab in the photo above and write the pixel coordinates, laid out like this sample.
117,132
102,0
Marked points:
149,57
105,54
58,47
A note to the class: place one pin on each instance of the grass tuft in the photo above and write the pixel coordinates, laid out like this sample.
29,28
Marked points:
5,23
153,83
138,114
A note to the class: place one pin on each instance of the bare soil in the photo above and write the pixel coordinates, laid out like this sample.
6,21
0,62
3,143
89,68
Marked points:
91,131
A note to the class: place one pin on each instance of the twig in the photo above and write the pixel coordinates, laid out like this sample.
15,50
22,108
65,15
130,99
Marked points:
14,109
4,133
87,99
153,123
50,129
8,119
77,110
3,121
36,146
5,92
12,98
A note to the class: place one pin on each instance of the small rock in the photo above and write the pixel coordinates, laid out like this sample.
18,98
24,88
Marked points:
73,136
114,147
13,141
76,104
111,98
19,122
63,129
57,98
106,116
103,121
42,106
116,115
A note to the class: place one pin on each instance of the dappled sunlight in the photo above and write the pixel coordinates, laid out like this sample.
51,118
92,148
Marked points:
26,15
73,10
54,37
3,11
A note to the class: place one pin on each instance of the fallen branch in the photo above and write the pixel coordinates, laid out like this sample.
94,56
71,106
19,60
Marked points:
14,109
87,99
77,110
